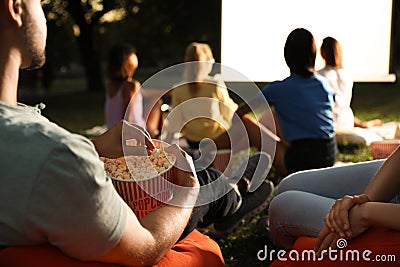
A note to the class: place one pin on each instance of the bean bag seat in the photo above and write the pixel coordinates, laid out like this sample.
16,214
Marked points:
376,247
195,250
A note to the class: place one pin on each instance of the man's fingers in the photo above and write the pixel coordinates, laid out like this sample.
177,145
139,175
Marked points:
133,131
135,151
183,160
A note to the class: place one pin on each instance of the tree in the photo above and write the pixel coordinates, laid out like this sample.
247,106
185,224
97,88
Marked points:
159,29
84,16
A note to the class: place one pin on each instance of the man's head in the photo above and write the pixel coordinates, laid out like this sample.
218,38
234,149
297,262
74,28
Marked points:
24,27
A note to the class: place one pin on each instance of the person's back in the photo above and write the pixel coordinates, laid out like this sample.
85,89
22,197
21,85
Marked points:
207,113
302,106
116,109
123,96
205,107
45,166
341,82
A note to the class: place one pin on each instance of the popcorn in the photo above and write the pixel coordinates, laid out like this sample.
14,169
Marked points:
140,167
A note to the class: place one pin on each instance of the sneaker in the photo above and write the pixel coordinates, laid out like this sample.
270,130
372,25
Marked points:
252,203
262,226
263,229
252,172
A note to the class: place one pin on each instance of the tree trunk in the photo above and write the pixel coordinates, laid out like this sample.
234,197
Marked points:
89,57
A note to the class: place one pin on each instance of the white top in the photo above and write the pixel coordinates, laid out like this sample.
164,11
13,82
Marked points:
342,84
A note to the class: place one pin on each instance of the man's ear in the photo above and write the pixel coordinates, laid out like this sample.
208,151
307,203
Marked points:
14,9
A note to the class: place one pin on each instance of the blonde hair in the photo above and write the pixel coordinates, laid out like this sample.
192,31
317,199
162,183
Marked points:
201,56
331,52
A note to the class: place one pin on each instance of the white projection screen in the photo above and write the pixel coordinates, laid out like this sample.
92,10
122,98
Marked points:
253,34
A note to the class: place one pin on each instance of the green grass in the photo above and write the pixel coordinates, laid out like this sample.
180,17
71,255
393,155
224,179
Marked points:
68,104
79,110
377,100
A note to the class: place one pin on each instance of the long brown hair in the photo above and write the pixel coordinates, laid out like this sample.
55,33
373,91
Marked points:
200,54
331,52
119,68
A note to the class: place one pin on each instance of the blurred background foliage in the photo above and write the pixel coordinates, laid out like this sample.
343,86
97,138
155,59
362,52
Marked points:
80,32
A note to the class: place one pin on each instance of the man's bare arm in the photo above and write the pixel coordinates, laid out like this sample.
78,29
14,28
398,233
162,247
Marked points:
145,242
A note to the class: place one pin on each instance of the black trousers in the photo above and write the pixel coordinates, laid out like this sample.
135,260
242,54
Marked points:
206,214
308,154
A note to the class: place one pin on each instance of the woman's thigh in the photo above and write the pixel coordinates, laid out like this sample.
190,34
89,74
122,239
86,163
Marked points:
296,213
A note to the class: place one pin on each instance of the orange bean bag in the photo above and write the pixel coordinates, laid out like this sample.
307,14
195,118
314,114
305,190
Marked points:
383,244
195,250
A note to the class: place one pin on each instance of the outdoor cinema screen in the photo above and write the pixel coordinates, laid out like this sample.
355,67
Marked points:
254,32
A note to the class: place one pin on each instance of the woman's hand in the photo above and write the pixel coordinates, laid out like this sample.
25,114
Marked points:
327,238
357,221
337,219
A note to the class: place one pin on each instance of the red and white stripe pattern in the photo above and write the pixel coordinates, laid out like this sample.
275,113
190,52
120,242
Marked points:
383,149
145,196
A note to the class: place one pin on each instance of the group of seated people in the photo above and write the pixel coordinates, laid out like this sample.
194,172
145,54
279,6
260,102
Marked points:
307,109
58,207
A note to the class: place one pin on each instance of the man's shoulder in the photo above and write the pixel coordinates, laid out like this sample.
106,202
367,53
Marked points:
19,129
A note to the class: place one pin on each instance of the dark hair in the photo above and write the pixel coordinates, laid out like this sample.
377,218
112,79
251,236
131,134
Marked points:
119,68
331,52
300,52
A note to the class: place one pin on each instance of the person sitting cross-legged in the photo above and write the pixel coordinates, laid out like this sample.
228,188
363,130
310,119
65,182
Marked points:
55,193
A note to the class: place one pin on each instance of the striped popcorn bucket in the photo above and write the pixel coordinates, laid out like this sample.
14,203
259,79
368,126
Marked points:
145,196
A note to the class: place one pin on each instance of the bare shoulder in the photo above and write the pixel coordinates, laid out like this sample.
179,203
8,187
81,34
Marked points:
131,87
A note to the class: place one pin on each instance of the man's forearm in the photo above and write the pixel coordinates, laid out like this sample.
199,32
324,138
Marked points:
167,223
145,242
166,226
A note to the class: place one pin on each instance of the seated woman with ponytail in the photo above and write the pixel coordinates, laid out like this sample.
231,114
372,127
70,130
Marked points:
207,108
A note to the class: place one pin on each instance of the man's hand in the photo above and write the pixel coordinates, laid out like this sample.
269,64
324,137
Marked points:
186,187
123,137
